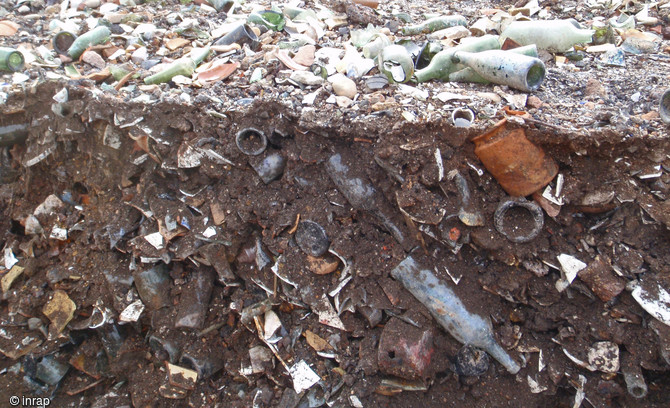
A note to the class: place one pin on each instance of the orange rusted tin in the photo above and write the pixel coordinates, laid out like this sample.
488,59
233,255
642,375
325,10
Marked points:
517,164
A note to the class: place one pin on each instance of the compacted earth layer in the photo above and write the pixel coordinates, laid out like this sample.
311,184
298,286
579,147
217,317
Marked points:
233,246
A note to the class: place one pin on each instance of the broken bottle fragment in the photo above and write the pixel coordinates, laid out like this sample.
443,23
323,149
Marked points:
396,63
517,164
450,312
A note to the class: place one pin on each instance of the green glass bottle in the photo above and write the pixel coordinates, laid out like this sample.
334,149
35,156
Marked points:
442,63
11,60
550,35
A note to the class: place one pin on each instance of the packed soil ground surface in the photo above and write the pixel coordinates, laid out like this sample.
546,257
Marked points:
142,245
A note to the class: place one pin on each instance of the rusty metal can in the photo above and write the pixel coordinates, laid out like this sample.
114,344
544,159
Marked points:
520,167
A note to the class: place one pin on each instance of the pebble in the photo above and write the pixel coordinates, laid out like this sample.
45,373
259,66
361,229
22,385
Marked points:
23,9
307,78
140,55
343,101
343,86
534,102
94,59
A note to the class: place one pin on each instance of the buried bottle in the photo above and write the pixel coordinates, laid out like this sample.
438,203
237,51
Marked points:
550,35
13,134
450,312
517,164
506,68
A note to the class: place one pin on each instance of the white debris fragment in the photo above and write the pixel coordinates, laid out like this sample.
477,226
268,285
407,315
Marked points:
440,164
355,402
188,157
570,266
327,314
580,395
10,259
658,304
61,96
272,324
209,232
303,376
132,312
156,240
58,233
535,387
604,356
50,204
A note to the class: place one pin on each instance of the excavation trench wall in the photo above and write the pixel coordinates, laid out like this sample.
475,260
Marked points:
132,169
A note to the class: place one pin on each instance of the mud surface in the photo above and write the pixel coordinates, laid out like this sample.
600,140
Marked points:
160,205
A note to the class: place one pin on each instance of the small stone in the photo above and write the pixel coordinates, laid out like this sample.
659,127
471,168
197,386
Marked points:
471,361
306,78
23,9
312,238
176,43
534,102
321,266
94,59
305,55
651,115
594,88
490,96
451,33
91,4
343,86
140,55
343,101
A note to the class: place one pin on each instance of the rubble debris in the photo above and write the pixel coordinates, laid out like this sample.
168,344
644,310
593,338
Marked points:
404,350
600,278
59,310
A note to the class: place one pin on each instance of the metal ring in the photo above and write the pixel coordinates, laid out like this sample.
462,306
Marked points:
534,209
